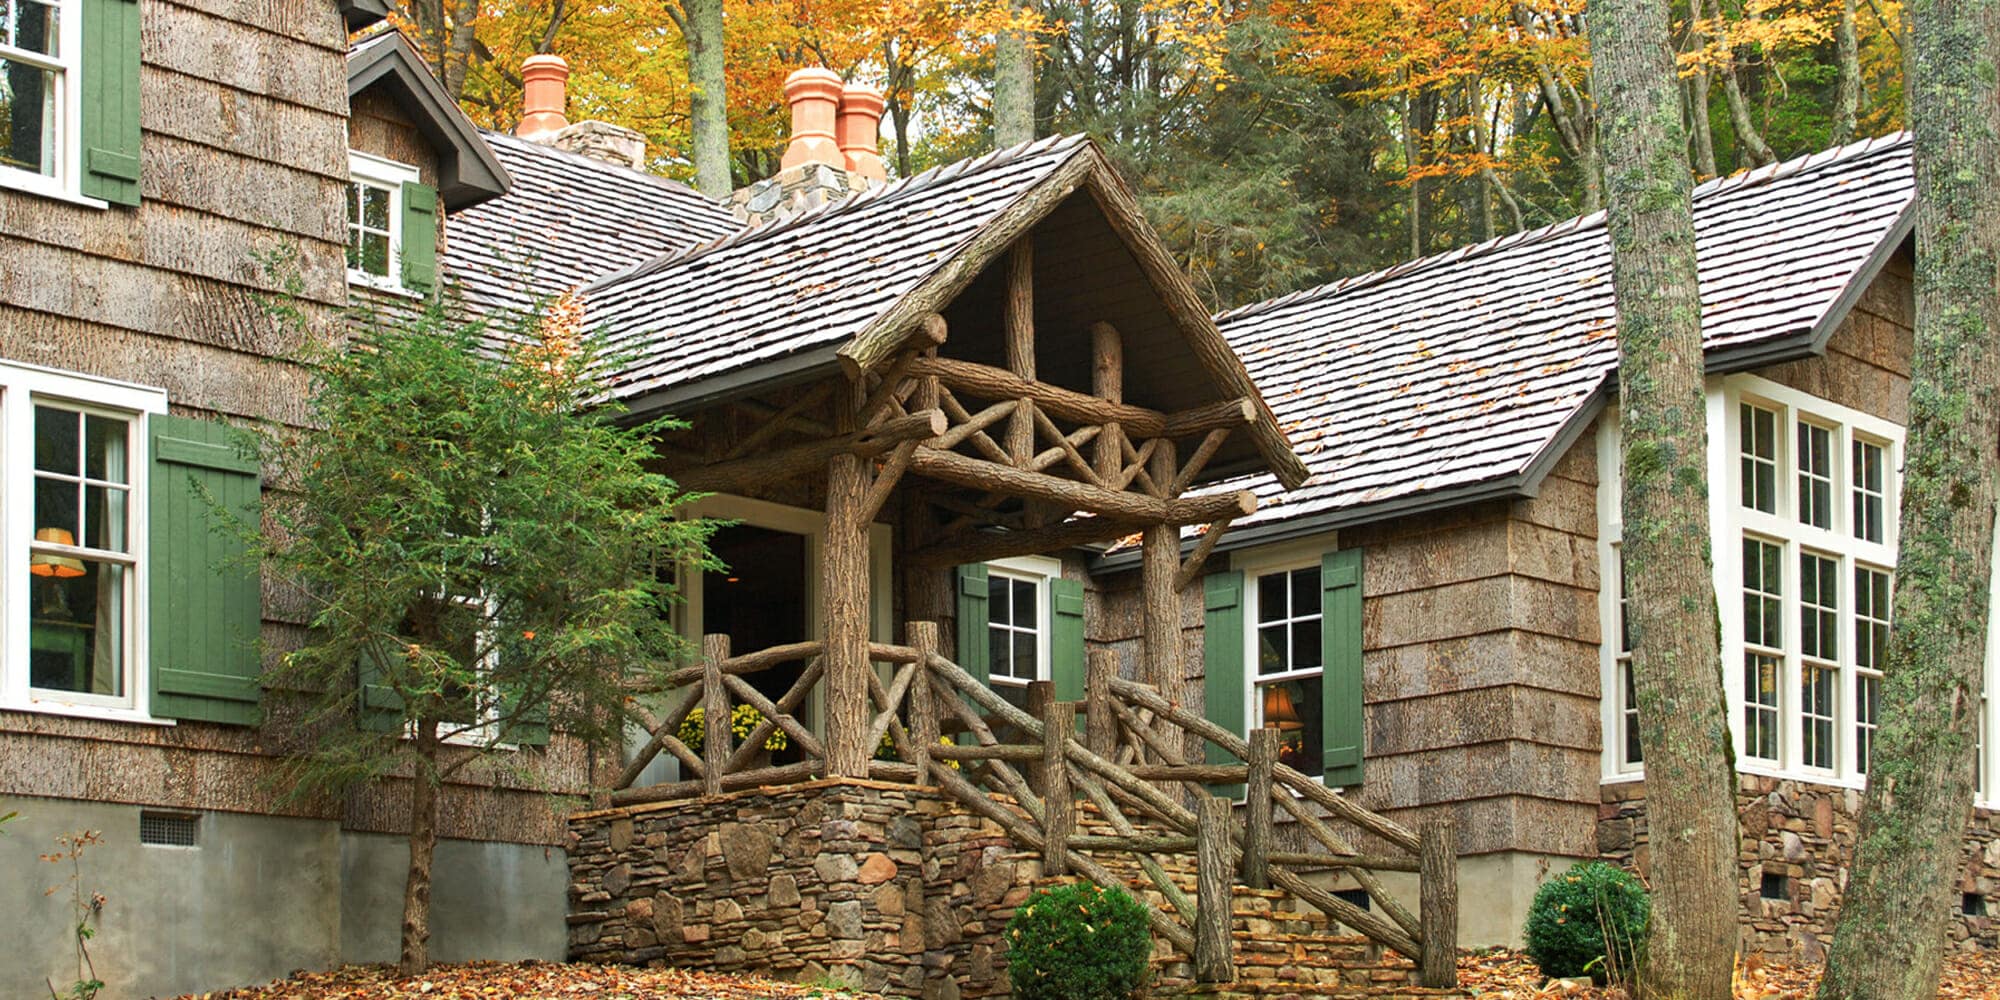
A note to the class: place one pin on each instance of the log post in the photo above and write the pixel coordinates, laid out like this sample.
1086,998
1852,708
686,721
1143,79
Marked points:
1438,913
844,581
923,637
1100,718
1159,568
1020,321
1107,381
1213,961
1041,694
1257,808
715,748
1058,823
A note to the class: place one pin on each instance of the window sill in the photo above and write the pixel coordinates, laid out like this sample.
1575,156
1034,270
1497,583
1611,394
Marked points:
386,286
43,187
74,710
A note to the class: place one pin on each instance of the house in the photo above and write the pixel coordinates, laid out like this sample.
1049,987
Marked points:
1345,559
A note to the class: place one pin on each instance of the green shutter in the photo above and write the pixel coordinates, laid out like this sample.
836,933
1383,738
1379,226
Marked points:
974,655
1222,662
1066,638
532,728
206,604
420,210
1340,647
110,90
379,708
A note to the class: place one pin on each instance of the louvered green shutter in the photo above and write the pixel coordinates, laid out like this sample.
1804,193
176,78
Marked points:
973,652
1222,662
205,604
1340,643
110,89
420,209
1066,638
380,708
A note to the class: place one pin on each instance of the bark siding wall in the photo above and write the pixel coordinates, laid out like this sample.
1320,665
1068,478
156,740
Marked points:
245,131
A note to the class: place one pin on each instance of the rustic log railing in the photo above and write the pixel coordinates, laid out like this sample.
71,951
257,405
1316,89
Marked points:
1129,763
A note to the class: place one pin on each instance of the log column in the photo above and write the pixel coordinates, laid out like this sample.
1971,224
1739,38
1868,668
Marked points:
1107,381
1020,320
844,597
1159,569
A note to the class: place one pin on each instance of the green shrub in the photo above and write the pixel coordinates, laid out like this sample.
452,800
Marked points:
1590,920
1078,942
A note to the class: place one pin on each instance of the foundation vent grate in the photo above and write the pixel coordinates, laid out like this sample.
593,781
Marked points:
168,829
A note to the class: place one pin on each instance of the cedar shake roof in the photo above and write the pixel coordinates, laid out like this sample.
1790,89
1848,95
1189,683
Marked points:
568,220
1466,375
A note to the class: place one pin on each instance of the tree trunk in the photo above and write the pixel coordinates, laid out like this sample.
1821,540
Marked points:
423,846
708,105
1847,99
459,41
1749,142
1684,727
1704,136
1890,939
1013,87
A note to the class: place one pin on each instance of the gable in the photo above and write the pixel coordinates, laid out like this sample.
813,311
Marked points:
468,173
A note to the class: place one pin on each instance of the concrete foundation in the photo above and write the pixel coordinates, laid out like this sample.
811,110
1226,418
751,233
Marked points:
255,898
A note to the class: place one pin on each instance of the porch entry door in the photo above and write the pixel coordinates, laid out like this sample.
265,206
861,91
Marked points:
762,598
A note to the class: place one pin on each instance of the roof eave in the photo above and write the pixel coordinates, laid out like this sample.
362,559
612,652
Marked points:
468,172
694,395
359,14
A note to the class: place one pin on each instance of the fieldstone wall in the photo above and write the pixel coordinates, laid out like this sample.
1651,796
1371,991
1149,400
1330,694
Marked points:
885,887
1797,837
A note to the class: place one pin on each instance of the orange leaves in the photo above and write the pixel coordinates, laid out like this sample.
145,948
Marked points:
518,981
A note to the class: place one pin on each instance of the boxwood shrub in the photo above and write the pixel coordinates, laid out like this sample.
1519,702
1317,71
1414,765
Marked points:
1078,942
1590,920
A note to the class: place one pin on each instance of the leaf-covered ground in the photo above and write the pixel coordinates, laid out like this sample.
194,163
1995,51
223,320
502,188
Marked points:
1488,976
1510,976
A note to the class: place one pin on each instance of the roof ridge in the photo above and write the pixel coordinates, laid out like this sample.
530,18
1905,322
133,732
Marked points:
602,166
894,189
1713,187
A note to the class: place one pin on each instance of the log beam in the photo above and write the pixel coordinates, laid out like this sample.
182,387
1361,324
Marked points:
985,546
981,475
800,460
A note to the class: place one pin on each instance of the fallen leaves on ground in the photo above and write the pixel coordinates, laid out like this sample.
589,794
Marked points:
522,981
1509,975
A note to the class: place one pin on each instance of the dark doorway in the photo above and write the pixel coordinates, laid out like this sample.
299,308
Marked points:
759,601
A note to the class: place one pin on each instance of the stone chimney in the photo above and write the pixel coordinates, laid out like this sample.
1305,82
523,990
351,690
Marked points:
544,83
832,152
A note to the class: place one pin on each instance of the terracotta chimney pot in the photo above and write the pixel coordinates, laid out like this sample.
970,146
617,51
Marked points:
814,94
543,78
860,126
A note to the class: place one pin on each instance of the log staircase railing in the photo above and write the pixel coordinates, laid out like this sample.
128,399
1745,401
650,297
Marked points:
1131,764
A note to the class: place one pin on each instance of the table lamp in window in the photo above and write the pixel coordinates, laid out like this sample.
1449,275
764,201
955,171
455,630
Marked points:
1279,712
52,564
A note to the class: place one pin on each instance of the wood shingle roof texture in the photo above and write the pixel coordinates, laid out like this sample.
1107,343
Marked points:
1466,374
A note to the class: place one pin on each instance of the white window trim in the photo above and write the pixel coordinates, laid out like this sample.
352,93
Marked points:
1730,520
1036,571
66,184
373,169
1306,553
20,385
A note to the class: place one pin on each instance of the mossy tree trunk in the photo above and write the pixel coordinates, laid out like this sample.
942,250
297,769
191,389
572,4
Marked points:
1683,722
708,107
1013,85
1889,943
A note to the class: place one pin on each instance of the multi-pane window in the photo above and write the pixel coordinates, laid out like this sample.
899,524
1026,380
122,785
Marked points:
1870,489
1285,689
375,219
1763,642
35,76
1628,696
1871,645
1013,628
1819,653
80,558
1815,475
1758,457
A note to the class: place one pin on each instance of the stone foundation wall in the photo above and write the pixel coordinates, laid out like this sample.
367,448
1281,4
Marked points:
1801,835
884,887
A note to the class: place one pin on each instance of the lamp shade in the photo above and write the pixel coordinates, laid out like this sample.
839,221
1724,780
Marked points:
1279,710
51,564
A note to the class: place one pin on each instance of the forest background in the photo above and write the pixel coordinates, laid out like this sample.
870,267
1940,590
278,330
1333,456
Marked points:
1277,144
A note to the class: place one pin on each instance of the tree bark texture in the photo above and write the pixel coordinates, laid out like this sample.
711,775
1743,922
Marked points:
416,957
1890,941
1013,88
1684,725
1847,97
708,106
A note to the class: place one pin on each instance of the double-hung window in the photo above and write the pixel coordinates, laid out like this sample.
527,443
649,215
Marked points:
39,48
74,548
1018,623
377,220
1286,684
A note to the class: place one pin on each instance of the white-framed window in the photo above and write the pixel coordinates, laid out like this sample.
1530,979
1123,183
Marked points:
72,635
1285,683
1018,622
1803,494
41,47
375,220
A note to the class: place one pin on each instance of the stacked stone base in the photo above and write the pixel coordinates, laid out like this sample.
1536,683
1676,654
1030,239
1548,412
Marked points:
1797,838
888,888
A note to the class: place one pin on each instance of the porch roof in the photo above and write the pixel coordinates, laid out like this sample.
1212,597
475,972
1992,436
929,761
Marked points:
1466,375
